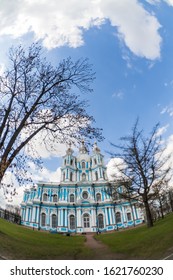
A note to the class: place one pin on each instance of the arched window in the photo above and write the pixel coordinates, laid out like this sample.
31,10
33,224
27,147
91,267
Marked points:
71,176
55,198
72,197
86,220
100,221
118,217
45,197
65,162
96,175
98,197
129,216
83,165
54,221
83,177
43,219
95,161
72,222
71,162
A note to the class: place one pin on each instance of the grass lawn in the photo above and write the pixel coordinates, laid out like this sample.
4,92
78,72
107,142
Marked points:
143,242
18,242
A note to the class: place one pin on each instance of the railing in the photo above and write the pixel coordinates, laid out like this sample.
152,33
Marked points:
9,216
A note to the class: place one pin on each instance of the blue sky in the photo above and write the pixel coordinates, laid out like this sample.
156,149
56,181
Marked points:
129,43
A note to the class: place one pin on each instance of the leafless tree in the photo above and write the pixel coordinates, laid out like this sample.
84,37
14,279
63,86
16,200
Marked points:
143,164
38,100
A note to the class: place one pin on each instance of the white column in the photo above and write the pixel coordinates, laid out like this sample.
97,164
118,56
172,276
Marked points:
124,216
93,217
33,214
38,213
79,218
110,216
106,213
26,214
59,217
134,212
65,217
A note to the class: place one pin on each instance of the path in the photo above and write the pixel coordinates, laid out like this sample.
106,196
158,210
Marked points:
100,250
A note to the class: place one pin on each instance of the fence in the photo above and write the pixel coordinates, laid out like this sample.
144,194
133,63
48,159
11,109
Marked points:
9,216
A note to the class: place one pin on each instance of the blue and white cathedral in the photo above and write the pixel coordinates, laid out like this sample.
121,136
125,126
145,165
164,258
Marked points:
80,202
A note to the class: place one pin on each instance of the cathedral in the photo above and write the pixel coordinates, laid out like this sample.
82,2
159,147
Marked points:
81,202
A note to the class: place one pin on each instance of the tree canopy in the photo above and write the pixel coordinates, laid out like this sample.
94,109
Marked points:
40,100
142,165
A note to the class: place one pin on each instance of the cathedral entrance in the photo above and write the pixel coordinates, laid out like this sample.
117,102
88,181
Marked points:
86,222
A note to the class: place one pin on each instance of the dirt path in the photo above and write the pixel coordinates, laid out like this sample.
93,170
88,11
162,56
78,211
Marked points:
100,250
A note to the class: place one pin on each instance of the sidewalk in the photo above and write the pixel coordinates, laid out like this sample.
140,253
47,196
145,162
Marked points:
100,250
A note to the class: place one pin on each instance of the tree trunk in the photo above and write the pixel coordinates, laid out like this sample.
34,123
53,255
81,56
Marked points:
148,214
161,208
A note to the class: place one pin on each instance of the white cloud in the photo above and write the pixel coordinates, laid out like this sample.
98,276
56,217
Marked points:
45,175
136,27
60,23
162,130
153,2
113,171
119,94
168,110
169,2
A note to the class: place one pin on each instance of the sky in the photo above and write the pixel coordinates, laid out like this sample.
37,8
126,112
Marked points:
128,42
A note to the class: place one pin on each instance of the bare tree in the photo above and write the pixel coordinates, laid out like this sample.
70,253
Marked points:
38,100
143,164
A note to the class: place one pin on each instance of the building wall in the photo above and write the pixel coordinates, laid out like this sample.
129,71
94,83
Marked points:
80,202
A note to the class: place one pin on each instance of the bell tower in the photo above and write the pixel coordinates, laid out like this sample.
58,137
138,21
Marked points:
68,170
98,168
83,164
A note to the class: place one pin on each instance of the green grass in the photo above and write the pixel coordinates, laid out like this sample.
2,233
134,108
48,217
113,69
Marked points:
18,242
143,242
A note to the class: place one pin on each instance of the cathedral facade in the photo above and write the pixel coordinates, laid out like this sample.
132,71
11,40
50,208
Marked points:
81,201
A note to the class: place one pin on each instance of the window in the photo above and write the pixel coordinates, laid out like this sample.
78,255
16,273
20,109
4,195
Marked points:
83,165
95,161
71,162
100,221
71,197
55,198
63,176
118,217
72,222
98,197
65,162
45,196
43,219
54,221
83,177
129,216
71,176
96,175
85,195
86,221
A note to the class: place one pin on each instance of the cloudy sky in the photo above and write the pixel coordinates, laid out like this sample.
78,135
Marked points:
129,43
